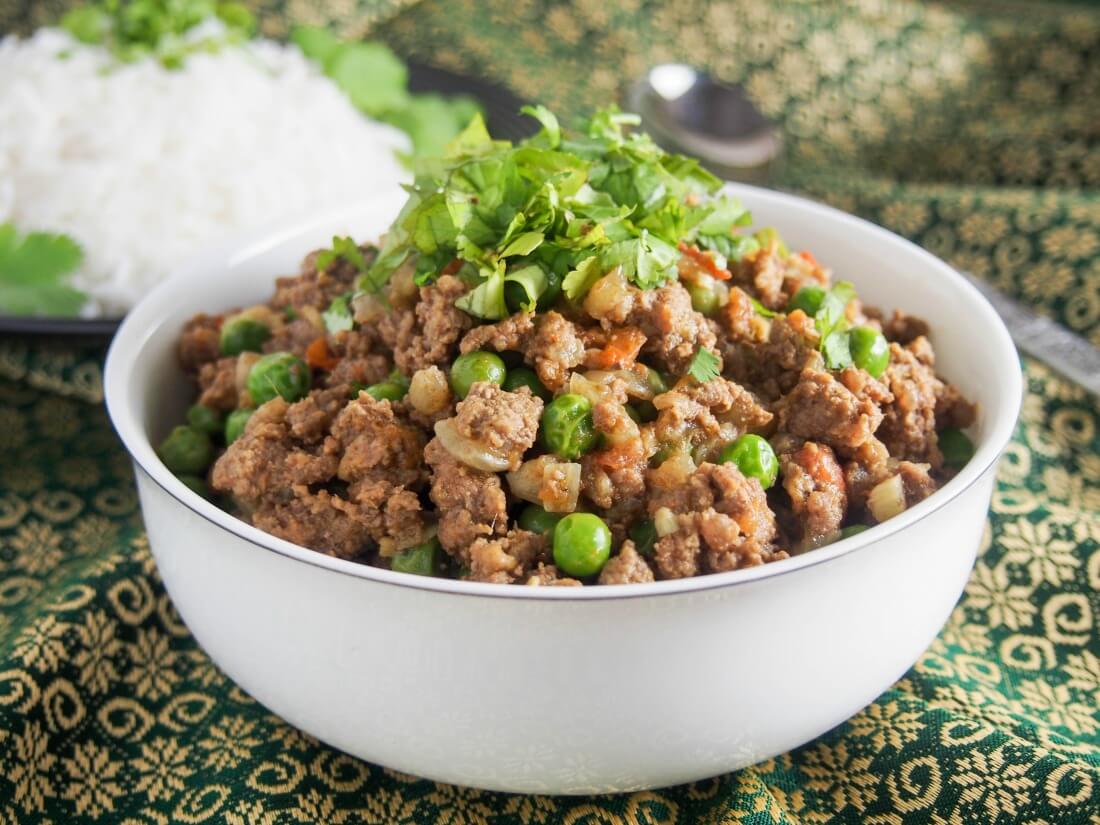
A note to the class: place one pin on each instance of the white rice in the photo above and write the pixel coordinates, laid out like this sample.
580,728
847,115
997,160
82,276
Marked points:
145,166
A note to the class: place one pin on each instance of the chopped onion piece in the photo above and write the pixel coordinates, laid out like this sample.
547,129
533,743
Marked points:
665,522
467,451
636,385
428,391
526,482
244,366
561,487
887,499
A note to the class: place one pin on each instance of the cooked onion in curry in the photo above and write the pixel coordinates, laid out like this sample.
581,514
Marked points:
569,362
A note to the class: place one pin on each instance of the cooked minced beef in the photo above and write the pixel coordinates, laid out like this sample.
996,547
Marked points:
558,372
368,478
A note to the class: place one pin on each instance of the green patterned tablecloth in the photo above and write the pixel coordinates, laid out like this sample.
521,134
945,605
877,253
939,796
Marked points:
973,128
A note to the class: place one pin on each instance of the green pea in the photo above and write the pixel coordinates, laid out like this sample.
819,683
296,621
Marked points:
754,457
582,544
644,536
852,530
234,424
956,446
642,411
422,560
205,420
635,416
808,299
567,428
704,299
196,484
473,367
535,519
656,381
524,377
278,374
870,351
241,334
386,391
186,451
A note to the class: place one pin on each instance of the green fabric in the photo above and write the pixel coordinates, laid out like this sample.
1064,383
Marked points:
970,127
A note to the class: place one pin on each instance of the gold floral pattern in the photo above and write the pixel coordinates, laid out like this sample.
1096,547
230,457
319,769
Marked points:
969,127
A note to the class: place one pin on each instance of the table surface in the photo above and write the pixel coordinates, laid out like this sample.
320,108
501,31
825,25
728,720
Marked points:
971,128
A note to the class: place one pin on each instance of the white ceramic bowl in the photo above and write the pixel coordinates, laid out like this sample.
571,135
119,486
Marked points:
562,690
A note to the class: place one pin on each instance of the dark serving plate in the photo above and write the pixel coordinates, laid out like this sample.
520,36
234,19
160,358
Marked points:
502,116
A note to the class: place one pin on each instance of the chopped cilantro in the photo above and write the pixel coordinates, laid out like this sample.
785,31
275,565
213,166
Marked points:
33,270
338,316
832,325
135,29
576,204
377,82
704,366
343,249
761,309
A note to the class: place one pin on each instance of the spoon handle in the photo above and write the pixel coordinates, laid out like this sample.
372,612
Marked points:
1044,338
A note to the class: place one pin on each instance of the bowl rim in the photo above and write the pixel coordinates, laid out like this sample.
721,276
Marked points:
142,320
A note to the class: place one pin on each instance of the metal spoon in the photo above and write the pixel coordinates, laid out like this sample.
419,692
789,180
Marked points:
688,111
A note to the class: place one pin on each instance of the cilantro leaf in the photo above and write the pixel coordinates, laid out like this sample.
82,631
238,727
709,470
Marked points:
578,281
338,316
832,325
762,310
343,249
523,287
33,270
704,366
486,300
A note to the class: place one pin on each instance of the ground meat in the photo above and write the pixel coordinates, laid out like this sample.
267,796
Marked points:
510,334
382,464
774,368
294,337
429,334
821,408
319,520
266,461
555,350
310,288
909,425
870,464
471,503
218,384
200,341
546,575
507,559
377,446
674,331
311,418
765,273
717,409
360,359
628,567
903,328
917,481
615,473
723,521
740,320
505,423
952,410
815,483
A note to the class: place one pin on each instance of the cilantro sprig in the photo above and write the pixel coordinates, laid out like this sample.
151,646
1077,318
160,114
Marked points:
33,273
377,82
831,324
571,206
704,366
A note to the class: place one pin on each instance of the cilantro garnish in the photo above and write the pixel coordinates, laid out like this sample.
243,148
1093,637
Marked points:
571,205
338,316
343,249
134,29
377,82
832,325
33,270
704,366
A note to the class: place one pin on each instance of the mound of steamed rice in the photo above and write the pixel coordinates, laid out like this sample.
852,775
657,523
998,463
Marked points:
144,166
